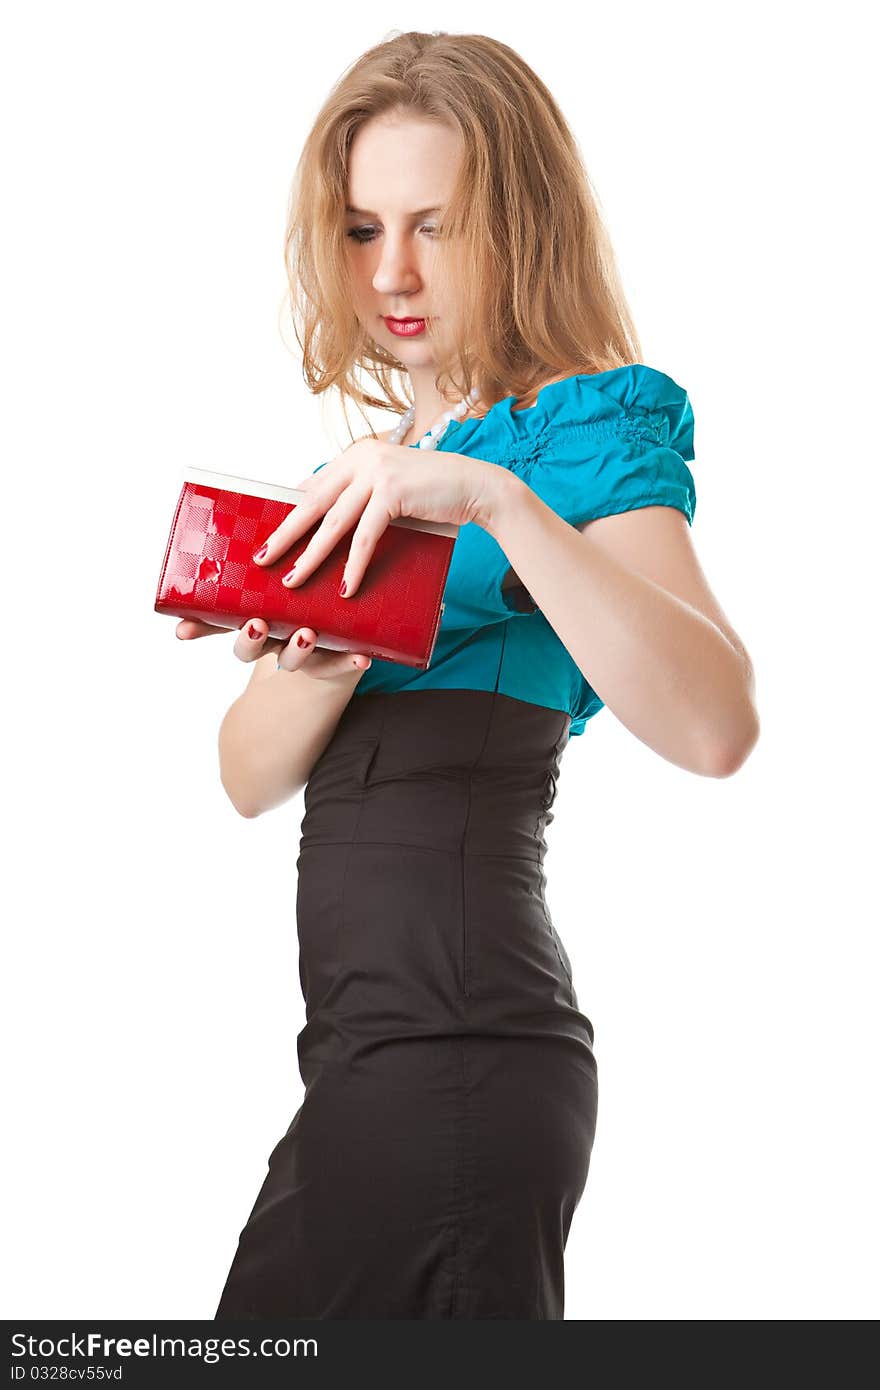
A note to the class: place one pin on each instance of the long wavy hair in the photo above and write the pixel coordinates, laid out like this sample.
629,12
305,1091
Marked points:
522,239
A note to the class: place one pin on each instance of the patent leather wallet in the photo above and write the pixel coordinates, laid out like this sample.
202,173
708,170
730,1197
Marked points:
209,574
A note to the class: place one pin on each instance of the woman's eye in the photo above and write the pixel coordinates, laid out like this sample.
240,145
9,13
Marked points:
364,234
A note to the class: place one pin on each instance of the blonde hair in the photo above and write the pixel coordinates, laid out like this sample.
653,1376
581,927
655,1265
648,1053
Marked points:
522,240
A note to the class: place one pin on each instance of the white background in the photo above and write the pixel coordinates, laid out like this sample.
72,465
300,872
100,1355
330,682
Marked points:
723,933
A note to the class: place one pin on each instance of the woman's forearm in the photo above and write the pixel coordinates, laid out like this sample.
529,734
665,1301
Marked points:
273,734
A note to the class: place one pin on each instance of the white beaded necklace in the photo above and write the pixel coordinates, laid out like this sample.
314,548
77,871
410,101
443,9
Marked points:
436,432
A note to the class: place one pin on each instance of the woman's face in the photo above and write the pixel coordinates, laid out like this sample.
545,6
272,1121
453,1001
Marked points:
402,171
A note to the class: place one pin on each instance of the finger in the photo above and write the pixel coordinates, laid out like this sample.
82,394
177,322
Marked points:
299,519
301,645
339,518
374,520
188,628
330,665
250,641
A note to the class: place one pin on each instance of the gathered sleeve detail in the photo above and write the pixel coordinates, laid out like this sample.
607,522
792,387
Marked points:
617,459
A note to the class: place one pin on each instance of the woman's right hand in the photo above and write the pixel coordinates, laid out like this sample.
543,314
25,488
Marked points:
253,641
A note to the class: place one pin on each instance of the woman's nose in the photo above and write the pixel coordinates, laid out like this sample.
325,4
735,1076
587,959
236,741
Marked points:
397,268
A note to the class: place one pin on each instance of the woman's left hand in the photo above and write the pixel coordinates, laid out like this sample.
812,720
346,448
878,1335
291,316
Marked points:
366,487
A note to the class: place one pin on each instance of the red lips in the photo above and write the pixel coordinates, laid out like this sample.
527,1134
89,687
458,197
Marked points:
405,328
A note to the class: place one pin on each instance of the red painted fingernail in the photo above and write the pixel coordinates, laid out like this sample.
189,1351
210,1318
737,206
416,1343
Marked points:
262,551
342,588
302,641
253,633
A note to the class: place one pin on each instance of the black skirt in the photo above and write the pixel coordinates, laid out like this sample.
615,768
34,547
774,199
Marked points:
444,1137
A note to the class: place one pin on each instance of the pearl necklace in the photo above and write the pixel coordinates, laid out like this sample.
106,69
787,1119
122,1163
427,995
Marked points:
436,432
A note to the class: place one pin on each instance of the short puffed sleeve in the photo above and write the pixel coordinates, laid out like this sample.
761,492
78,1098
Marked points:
625,449
593,446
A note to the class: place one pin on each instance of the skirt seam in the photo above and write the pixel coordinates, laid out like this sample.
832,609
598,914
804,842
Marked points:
464,853
429,849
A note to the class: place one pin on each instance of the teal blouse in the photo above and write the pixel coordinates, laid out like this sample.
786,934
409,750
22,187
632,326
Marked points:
593,445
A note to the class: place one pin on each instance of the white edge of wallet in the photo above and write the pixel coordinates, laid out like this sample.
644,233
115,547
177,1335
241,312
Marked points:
276,492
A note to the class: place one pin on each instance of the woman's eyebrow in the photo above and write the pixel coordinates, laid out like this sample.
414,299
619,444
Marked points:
363,212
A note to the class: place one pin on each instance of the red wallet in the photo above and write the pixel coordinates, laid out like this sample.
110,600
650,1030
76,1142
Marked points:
209,573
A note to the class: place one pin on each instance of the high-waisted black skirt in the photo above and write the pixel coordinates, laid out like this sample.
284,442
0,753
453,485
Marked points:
444,1138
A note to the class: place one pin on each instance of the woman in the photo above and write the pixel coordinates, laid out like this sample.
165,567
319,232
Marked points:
443,228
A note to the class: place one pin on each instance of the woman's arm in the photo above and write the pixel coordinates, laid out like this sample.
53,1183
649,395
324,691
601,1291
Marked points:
627,598
274,733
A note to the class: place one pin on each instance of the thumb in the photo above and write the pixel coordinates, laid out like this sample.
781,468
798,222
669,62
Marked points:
188,628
